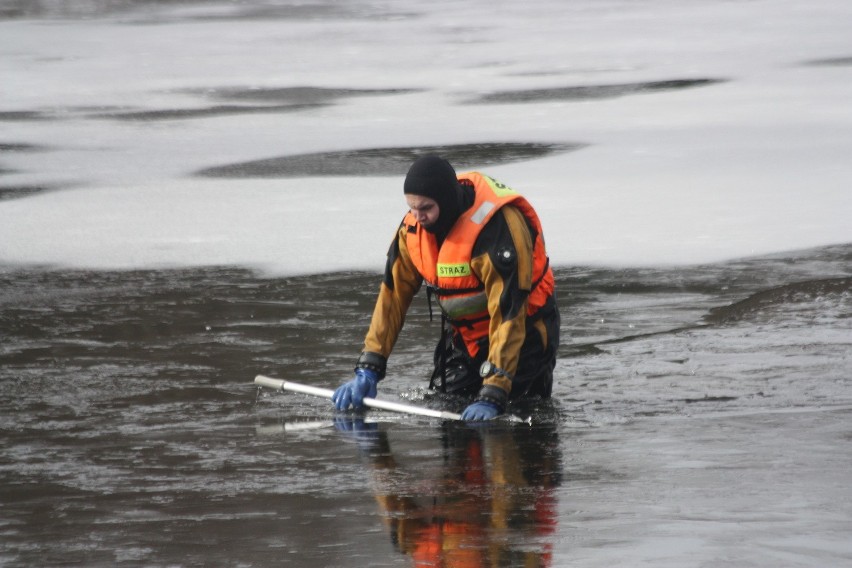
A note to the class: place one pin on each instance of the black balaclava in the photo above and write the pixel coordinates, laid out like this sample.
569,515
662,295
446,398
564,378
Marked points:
432,176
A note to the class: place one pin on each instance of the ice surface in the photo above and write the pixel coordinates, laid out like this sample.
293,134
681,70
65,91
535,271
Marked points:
755,163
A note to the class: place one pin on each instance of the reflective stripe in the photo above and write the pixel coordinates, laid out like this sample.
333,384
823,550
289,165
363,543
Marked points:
482,212
461,307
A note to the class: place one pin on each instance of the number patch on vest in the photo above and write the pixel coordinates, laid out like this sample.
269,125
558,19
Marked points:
459,270
499,188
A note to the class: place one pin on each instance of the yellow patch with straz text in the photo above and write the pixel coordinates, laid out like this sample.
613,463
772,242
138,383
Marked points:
457,270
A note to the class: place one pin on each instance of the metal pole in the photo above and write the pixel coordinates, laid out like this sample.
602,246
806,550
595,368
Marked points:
280,385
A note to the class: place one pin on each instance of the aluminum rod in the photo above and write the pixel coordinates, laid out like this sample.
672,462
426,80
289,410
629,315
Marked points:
280,385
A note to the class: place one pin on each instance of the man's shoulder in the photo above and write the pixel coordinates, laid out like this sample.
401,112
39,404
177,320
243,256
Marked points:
499,228
508,213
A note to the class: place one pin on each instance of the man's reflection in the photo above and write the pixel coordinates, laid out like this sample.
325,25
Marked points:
493,502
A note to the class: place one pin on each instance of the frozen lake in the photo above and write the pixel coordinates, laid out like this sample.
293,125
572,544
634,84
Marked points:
194,193
701,132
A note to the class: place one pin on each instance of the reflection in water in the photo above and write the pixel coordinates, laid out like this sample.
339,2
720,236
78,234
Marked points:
491,504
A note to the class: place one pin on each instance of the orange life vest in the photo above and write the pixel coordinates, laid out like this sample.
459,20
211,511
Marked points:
447,271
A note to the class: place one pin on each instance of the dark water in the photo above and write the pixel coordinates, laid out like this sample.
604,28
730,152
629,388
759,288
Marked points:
701,416
386,161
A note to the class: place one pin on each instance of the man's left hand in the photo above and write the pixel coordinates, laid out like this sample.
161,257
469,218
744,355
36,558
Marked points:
479,411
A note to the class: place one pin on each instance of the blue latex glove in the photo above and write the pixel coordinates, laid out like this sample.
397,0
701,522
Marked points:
353,393
480,410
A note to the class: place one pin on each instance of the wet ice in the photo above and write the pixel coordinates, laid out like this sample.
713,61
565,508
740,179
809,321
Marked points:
702,404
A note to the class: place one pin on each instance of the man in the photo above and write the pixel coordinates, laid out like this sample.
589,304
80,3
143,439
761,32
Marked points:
479,247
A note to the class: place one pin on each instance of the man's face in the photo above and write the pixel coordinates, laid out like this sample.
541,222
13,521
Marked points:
424,209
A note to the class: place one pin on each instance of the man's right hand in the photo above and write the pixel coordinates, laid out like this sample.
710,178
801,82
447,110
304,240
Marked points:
352,393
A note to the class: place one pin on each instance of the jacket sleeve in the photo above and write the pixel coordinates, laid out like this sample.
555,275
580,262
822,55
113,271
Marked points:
503,261
401,282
